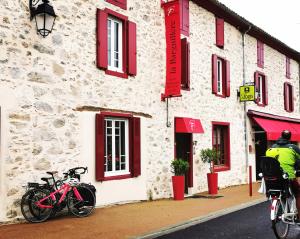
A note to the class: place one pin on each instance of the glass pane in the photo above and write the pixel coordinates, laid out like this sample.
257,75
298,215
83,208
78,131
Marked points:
116,47
109,153
123,138
109,131
109,43
108,123
123,165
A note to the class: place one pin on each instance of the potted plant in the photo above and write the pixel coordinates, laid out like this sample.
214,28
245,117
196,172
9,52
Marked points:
179,168
211,156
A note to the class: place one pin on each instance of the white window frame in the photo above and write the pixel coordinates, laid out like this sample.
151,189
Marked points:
219,77
111,42
260,89
115,172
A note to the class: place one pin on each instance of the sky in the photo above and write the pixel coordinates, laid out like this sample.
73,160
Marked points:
281,19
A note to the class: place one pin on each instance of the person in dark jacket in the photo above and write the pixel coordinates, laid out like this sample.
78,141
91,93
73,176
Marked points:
288,155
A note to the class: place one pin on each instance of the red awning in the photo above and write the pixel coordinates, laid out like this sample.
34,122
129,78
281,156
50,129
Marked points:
188,125
274,128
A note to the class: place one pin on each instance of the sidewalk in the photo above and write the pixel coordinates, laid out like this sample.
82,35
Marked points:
137,220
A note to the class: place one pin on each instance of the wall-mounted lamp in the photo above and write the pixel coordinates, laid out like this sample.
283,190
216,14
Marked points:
44,16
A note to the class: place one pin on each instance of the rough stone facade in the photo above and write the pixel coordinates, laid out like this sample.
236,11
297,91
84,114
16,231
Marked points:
45,81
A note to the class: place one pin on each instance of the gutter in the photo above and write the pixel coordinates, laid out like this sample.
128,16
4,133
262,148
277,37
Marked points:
245,103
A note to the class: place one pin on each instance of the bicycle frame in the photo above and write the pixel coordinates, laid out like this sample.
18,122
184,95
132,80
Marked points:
65,188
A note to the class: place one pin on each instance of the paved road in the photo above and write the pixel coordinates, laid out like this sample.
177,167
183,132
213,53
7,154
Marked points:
249,223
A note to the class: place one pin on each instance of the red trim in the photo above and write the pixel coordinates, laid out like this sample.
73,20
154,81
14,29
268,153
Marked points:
114,114
264,89
227,165
185,64
119,3
288,67
101,45
252,113
99,150
191,168
131,39
225,76
115,73
184,17
136,158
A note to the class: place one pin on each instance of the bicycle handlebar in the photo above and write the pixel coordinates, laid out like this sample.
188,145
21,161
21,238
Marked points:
77,170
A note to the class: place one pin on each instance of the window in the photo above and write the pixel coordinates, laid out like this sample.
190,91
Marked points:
120,3
261,89
184,17
288,97
114,29
220,76
221,142
287,67
116,44
117,146
220,32
260,54
185,64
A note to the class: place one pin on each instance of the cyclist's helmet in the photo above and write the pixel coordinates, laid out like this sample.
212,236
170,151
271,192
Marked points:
286,134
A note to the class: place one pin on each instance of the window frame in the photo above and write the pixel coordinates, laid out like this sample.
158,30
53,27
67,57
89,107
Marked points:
185,64
224,90
115,172
134,146
111,44
227,164
220,32
261,88
288,97
128,56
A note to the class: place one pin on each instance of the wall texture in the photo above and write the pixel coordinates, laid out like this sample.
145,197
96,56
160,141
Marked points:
44,83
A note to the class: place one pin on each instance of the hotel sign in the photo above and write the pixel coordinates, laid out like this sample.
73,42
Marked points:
247,93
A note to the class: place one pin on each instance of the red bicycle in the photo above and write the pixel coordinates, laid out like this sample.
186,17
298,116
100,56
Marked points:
38,204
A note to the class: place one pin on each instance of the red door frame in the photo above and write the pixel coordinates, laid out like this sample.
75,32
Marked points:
190,171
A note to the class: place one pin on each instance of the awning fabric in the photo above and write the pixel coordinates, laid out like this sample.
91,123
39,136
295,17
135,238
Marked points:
188,125
274,128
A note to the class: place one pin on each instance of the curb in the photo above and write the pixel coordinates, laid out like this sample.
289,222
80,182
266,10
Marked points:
198,220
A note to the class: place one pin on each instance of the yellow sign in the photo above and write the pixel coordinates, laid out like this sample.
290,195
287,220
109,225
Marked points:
247,93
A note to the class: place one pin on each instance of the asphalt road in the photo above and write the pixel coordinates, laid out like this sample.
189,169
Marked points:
250,223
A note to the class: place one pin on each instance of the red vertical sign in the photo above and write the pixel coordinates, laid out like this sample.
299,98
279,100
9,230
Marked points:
173,64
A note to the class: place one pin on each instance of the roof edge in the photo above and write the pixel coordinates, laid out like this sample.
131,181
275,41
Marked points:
243,25
253,113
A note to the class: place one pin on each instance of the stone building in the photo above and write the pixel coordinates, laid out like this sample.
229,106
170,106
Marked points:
101,71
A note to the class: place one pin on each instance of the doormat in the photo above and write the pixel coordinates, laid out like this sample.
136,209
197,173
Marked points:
207,196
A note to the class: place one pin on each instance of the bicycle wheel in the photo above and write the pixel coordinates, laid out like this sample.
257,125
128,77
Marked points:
280,228
84,207
29,209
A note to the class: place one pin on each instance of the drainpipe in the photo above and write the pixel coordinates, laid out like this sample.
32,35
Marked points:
245,103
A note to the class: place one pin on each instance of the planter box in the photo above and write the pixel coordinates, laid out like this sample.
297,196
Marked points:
212,181
178,187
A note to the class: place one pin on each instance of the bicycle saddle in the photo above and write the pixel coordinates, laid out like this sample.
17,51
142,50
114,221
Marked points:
52,172
45,179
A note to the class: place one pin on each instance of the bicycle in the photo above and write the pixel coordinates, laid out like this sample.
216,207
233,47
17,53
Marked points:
41,202
283,202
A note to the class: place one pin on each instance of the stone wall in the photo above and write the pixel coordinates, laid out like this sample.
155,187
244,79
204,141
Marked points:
44,81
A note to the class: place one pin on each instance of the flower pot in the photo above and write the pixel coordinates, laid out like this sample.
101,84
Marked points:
212,180
178,187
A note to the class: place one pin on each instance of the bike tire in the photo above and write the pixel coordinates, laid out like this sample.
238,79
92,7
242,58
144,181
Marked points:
81,208
280,228
30,211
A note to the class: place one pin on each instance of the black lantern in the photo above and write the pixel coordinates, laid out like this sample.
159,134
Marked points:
44,16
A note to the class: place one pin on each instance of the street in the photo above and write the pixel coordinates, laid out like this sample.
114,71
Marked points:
249,223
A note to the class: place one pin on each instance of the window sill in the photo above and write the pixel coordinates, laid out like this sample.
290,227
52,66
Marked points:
115,73
109,178
261,105
221,168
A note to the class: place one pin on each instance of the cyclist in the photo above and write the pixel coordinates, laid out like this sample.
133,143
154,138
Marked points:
288,156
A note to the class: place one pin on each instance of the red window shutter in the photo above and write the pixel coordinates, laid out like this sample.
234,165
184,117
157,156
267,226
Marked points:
262,55
265,90
214,74
99,146
286,96
120,3
102,60
219,32
185,64
288,68
136,147
227,93
292,98
256,83
132,69
184,17
258,54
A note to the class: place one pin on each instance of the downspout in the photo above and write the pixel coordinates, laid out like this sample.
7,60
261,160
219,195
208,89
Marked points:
245,103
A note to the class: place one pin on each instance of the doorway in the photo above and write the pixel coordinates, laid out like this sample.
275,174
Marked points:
260,149
184,150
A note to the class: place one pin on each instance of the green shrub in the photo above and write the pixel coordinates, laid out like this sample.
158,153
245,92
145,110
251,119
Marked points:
179,167
210,156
